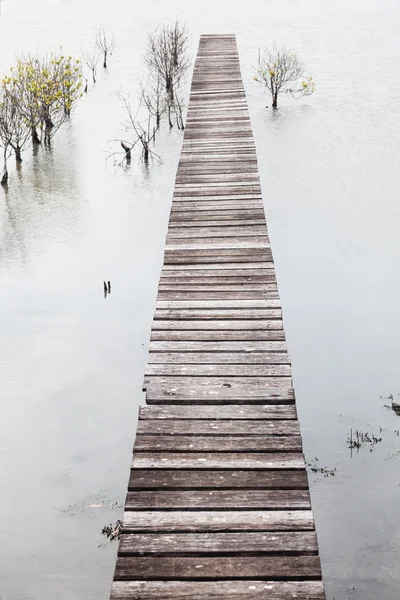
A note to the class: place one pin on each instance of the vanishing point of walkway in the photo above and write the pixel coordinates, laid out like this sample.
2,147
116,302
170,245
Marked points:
218,504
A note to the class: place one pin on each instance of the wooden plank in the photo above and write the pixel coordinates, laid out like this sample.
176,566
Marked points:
217,358
188,257
209,479
231,216
222,244
212,232
199,544
267,303
267,388
217,370
202,204
230,314
215,325
218,500
218,335
217,590
215,443
233,254
210,222
217,295
215,287
217,521
231,281
219,390
255,567
216,243
232,412
218,346
218,267
266,271
218,428
224,460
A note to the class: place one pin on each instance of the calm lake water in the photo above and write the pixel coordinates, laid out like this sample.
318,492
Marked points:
72,363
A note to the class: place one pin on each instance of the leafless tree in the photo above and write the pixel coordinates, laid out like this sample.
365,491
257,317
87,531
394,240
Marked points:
15,131
140,129
104,45
91,61
168,60
281,71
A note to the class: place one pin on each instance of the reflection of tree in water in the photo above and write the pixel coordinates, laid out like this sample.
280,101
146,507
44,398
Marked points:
12,247
42,204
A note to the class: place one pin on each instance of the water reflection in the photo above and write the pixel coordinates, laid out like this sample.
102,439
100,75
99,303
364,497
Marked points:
42,205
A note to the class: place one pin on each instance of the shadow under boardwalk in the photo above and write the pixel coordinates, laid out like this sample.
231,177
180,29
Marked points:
218,503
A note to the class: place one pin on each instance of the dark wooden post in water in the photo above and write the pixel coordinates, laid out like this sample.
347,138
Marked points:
218,503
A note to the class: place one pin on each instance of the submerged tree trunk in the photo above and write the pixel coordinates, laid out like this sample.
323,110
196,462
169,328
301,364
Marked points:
105,60
127,152
4,177
47,134
18,156
146,152
35,138
275,100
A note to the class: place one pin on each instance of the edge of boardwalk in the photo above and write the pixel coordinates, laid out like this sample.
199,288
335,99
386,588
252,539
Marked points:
218,503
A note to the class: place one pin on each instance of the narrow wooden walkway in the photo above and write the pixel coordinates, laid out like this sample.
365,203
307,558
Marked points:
218,504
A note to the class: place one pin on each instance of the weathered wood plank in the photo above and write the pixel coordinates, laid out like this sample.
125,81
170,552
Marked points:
210,222
266,567
218,427
211,232
267,303
223,215
218,590
224,460
209,479
217,358
215,287
217,370
231,281
216,325
232,412
218,346
218,335
189,256
216,243
230,314
217,521
219,390
198,544
213,295
218,500
215,443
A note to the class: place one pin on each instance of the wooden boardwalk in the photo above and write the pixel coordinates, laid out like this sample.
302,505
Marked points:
218,504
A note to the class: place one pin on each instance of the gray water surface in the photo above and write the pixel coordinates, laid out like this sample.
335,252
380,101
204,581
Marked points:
72,363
